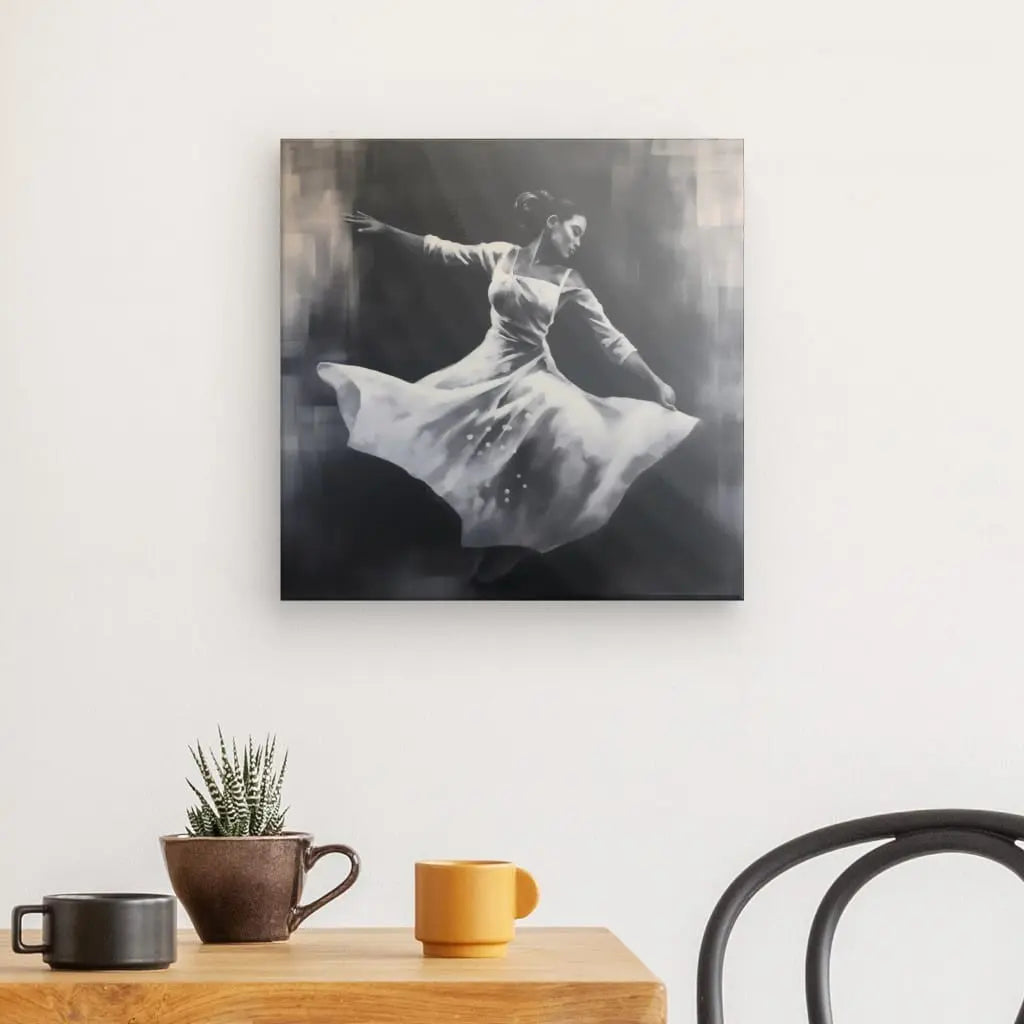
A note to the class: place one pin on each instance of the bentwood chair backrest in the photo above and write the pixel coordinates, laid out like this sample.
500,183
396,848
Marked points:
988,834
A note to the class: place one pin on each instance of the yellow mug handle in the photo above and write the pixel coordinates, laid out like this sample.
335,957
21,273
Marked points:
527,893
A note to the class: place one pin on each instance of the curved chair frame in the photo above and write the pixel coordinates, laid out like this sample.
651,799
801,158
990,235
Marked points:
988,834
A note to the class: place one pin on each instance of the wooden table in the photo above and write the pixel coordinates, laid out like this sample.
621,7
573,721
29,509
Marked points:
347,976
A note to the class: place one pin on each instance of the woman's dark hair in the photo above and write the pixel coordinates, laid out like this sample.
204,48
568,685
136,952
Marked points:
533,209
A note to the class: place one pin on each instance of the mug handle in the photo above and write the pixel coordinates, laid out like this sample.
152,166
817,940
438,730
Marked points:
312,855
17,915
527,893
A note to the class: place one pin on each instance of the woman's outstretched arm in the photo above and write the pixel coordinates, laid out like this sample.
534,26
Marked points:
483,255
618,347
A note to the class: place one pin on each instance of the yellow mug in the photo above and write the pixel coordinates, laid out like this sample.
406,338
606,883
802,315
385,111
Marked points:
469,908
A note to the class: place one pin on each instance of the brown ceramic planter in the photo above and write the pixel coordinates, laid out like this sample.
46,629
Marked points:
247,889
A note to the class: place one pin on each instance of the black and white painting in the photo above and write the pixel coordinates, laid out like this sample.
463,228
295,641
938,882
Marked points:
512,369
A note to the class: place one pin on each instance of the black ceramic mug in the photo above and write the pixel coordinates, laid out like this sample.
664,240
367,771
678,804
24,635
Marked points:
102,931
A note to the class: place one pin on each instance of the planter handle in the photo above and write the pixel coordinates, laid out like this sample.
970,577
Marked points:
311,856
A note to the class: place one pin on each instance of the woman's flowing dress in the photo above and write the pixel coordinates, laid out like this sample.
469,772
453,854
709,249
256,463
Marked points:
524,456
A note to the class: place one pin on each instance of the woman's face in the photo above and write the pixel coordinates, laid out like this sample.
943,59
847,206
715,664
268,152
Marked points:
567,235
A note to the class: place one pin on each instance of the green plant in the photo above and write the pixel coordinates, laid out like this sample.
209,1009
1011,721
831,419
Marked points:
244,797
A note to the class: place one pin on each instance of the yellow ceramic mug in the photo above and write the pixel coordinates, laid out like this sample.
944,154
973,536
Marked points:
468,908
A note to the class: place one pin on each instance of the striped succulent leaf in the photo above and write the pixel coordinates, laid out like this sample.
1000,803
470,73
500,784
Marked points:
204,768
204,804
228,814
210,822
268,766
216,795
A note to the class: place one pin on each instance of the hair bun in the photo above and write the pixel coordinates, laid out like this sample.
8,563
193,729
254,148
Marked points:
533,209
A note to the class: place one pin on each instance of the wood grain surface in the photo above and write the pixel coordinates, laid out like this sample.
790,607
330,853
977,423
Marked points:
369,976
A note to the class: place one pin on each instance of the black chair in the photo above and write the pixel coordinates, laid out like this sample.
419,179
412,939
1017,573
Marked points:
989,834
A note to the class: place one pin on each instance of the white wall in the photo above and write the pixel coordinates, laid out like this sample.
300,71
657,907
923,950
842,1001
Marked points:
634,756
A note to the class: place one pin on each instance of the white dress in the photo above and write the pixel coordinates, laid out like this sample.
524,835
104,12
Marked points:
523,455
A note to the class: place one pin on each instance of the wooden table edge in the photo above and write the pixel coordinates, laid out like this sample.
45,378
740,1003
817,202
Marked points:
637,997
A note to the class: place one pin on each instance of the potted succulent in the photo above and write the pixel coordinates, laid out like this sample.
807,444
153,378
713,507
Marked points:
237,872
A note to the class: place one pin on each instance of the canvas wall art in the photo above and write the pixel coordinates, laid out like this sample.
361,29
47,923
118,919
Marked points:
512,369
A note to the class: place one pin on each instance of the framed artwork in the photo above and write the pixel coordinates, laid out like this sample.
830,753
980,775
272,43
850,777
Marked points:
511,369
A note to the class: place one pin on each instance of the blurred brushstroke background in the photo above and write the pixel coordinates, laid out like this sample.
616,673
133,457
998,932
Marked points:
663,252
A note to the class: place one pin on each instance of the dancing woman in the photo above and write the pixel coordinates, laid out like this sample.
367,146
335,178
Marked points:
526,458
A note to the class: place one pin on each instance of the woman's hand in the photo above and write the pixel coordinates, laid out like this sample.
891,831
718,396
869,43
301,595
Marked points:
664,395
650,383
365,224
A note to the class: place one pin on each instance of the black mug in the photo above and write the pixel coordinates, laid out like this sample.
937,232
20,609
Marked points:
102,931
